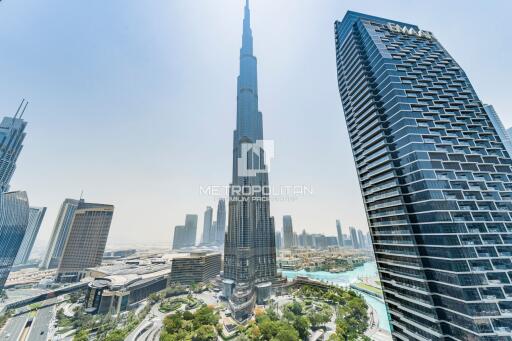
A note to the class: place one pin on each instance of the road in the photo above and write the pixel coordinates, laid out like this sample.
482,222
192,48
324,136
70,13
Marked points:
149,328
41,324
13,328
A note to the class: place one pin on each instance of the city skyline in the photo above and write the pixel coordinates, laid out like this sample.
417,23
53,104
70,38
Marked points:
336,198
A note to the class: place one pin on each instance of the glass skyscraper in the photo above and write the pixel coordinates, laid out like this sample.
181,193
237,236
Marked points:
86,241
436,181
500,129
12,134
35,218
60,234
249,249
14,212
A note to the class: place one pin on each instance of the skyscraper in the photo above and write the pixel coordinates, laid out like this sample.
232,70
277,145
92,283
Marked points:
354,238
500,129
12,134
208,234
435,178
339,233
249,249
361,239
60,233
14,211
86,240
221,222
35,218
190,229
288,232
180,237
278,240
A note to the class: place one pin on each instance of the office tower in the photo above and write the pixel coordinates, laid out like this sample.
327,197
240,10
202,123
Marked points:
435,178
278,240
12,134
60,234
339,233
288,232
14,212
180,237
353,237
500,129
221,222
509,132
208,235
190,229
361,239
249,249
35,218
86,240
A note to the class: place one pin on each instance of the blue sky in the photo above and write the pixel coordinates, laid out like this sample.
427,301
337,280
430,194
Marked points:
134,101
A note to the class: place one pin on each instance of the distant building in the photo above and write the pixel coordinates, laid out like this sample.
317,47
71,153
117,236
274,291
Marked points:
14,215
500,129
180,237
221,222
339,233
196,267
353,237
362,239
278,240
35,218
60,233
86,241
208,233
190,229
288,232
12,134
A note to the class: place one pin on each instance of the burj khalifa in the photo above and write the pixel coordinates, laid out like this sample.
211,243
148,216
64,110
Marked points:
249,249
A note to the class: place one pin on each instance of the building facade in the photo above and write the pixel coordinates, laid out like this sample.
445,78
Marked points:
190,230
436,181
35,218
288,239
12,134
221,222
500,129
196,267
249,248
339,233
14,212
86,241
208,234
60,234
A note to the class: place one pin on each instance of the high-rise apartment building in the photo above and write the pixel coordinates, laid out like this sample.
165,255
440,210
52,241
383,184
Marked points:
249,248
86,240
500,129
361,239
221,222
60,233
190,229
14,213
339,233
208,234
288,237
12,134
435,178
35,218
354,237
180,237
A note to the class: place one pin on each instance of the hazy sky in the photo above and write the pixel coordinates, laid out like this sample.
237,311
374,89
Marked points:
134,101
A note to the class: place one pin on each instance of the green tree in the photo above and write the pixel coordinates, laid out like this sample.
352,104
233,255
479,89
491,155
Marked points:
205,333
81,335
302,325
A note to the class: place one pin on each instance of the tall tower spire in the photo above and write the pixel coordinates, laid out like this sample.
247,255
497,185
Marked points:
249,247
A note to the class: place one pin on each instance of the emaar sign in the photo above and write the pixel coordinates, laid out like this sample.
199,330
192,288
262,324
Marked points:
410,31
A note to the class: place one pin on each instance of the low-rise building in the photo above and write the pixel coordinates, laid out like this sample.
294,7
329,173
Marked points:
195,267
